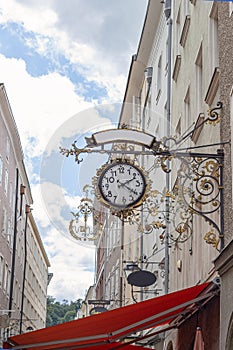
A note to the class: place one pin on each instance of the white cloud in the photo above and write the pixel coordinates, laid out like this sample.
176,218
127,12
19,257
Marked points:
72,263
72,267
103,26
40,104
27,15
97,39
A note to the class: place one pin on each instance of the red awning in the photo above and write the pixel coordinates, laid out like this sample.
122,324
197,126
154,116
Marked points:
110,346
111,326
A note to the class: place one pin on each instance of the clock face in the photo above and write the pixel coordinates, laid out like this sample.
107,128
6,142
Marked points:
122,185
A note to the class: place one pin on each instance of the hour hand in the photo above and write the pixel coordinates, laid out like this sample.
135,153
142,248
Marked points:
124,183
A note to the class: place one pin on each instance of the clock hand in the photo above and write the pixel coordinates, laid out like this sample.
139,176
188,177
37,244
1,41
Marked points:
124,183
131,189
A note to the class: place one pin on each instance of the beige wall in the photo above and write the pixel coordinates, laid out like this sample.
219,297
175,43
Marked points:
189,98
34,314
224,262
224,265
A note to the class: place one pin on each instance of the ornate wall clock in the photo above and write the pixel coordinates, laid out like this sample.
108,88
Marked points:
121,185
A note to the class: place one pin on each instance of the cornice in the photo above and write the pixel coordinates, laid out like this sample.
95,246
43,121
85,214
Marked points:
224,261
10,124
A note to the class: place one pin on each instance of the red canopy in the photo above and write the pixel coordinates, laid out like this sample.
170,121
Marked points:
111,326
112,346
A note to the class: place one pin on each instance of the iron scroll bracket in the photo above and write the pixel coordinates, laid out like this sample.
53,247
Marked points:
199,187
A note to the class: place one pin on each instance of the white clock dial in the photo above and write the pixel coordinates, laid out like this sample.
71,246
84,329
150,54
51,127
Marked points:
122,185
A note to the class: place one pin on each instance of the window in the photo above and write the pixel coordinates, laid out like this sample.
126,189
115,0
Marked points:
11,195
4,221
199,81
178,30
6,279
117,285
186,23
230,8
9,231
16,290
177,57
167,55
1,165
187,114
1,270
148,111
7,148
170,346
136,111
159,78
6,182
178,129
186,8
213,38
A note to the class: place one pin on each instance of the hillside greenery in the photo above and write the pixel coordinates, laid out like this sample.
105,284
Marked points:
61,312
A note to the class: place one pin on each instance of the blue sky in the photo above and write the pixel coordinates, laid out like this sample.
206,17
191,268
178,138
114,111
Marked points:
64,65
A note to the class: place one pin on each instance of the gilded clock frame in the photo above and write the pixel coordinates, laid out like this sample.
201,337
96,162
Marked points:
109,205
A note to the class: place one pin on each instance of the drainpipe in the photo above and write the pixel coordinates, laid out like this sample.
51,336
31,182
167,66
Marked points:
122,296
27,211
148,73
14,244
167,12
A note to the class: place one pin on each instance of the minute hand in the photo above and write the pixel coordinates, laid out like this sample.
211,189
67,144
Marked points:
126,182
130,189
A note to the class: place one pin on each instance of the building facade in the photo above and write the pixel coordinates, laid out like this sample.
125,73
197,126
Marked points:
122,243
179,90
224,262
145,108
23,260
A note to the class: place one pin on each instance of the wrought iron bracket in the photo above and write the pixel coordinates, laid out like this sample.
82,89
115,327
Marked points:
198,189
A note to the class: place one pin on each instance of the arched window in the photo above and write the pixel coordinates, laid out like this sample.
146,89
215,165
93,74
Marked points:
229,341
170,346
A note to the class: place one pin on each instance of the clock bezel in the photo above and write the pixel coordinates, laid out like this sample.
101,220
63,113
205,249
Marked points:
101,196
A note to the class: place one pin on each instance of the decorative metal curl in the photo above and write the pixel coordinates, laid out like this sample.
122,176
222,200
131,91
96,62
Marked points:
74,151
214,116
83,226
123,147
182,232
198,190
211,238
201,193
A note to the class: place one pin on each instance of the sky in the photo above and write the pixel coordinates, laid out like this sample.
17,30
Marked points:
64,65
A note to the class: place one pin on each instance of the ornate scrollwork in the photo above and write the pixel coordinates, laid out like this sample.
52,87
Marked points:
82,226
123,147
74,151
212,238
198,189
214,116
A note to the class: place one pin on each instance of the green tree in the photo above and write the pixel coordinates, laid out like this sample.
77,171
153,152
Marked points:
60,312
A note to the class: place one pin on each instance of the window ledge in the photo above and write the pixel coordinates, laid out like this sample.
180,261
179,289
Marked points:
185,30
158,96
198,127
213,87
176,67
